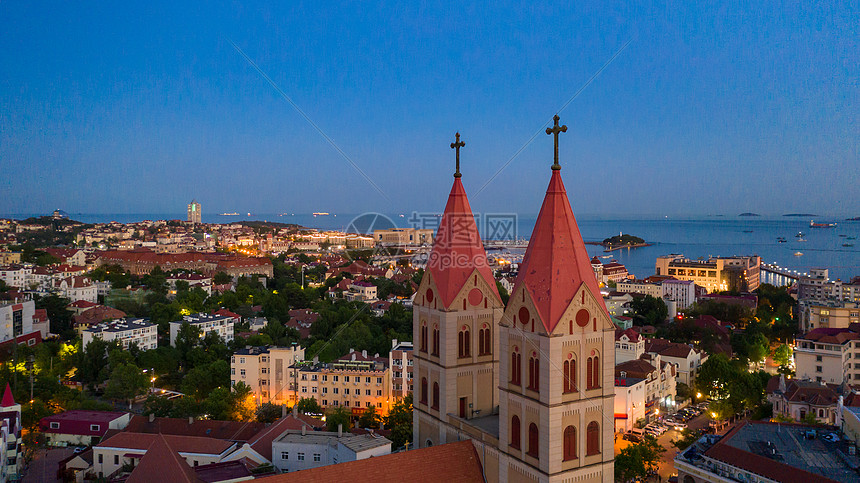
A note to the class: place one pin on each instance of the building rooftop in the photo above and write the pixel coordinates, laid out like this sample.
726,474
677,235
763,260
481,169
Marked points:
355,442
85,415
121,325
781,452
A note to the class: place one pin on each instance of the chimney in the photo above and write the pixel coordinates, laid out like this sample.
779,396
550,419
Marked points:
304,430
283,410
364,353
393,343
151,417
339,430
190,420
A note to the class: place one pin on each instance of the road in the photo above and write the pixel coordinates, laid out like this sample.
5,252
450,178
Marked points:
666,467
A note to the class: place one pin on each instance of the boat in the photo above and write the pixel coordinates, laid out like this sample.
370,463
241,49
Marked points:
798,254
851,238
813,224
748,231
799,235
228,214
847,244
321,213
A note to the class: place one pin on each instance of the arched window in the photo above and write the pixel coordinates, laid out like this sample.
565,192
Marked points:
515,432
484,343
435,340
423,399
464,343
534,373
516,368
423,342
570,375
592,439
435,395
592,375
428,443
569,443
533,441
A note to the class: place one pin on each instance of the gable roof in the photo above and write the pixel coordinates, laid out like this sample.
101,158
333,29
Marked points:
452,463
225,430
184,444
162,463
262,441
8,399
556,262
457,249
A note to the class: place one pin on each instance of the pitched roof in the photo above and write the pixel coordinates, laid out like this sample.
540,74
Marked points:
8,399
262,441
452,463
185,444
556,262
162,463
226,430
458,249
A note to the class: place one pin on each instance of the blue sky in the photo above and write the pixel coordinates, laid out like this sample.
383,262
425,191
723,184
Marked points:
710,109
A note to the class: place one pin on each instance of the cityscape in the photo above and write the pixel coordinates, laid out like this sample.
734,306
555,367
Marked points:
457,312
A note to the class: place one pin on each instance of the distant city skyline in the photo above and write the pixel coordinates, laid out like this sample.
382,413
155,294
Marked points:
137,109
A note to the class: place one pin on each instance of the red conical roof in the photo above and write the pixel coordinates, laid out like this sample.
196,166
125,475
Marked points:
8,399
457,249
556,262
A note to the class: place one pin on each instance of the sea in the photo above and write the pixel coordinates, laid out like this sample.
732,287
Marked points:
692,236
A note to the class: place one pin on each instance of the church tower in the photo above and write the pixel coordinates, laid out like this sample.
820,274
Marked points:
455,321
556,417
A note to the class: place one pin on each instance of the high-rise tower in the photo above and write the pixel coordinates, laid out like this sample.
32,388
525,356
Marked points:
455,322
194,212
556,418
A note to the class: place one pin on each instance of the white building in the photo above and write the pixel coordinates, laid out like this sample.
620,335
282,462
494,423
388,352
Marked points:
129,330
400,362
15,275
301,450
629,402
682,292
220,324
828,355
195,212
76,288
16,318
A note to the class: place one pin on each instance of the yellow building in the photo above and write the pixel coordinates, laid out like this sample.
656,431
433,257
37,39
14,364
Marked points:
267,371
716,274
355,381
403,236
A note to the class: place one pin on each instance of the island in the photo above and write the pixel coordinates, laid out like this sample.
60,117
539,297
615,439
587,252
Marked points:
856,218
749,214
801,215
618,242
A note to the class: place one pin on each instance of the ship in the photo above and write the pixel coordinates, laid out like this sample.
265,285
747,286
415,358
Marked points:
322,213
813,224
798,254
228,214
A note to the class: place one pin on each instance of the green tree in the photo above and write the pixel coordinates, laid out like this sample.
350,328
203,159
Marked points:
338,416
268,412
369,419
159,406
782,355
399,421
244,403
127,381
687,439
308,405
638,460
186,339
221,278
649,310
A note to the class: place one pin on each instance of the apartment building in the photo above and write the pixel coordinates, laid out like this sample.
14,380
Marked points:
400,362
830,314
817,286
646,287
129,330
716,274
267,371
403,236
301,450
829,355
357,381
16,319
206,323
659,377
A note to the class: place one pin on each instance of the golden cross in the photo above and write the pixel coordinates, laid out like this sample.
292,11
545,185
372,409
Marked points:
457,145
555,130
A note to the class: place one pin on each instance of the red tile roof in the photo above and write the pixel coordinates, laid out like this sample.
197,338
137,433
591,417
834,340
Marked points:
162,463
262,441
226,430
556,263
185,444
458,250
8,399
451,463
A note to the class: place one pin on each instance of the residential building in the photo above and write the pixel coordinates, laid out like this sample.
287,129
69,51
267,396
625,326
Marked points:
95,315
717,274
659,377
681,292
10,429
829,355
16,318
302,450
362,291
195,212
829,314
76,288
130,330
267,371
206,323
618,304
194,280
816,286
357,381
629,345
69,256
400,362
685,358
403,236
17,276
629,402
81,427
646,287
127,448
796,399
531,383
756,451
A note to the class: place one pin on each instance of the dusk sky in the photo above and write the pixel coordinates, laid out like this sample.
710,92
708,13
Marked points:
138,108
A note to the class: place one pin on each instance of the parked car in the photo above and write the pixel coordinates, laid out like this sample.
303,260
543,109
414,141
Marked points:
679,426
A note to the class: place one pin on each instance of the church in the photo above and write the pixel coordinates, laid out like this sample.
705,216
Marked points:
531,384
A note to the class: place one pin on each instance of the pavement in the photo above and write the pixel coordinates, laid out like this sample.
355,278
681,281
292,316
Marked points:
43,468
666,466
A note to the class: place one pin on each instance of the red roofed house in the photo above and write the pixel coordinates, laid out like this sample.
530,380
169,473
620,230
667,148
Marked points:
81,427
532,383
685,358
79,306
797,398
41,322
76,288
70,256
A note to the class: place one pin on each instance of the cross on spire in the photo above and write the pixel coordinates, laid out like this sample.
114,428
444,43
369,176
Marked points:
555,129
457,145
